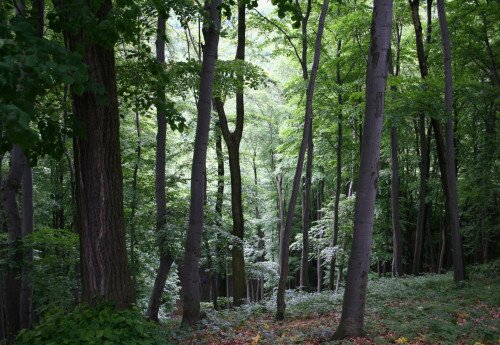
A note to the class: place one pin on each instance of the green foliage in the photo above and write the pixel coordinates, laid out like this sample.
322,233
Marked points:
98,325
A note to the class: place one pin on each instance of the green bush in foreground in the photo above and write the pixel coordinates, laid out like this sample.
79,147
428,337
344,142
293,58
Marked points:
98,325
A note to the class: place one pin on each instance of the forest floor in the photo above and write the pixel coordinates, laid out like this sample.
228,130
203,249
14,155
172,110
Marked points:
428,309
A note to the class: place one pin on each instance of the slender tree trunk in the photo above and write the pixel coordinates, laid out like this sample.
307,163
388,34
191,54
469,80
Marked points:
280,312
353,307
98,170
166,259
281,211
306,217
218,203
190,273
397,246
319,267
456,239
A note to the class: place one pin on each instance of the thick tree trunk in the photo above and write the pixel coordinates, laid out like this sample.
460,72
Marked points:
10,188
353,307
99,187
190,272
166,259
456,239
280,312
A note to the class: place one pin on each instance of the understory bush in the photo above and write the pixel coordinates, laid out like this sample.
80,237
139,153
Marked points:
102,324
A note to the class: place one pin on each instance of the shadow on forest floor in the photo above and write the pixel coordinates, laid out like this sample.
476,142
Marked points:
429,309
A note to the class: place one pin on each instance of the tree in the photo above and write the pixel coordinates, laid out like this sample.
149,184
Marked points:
285,239
166,258
458,264
98,170
353,307
189,273
232,140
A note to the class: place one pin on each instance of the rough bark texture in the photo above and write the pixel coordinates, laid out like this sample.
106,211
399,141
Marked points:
98,171
190,279
456,239
166,260
353,307
280,299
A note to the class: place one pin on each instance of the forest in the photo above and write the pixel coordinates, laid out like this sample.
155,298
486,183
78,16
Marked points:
249,172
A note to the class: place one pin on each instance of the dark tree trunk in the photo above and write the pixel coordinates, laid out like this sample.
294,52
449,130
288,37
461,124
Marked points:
10,188
456,240
319,267
353,307
98,170
280,312
166,260
190,272
233,140
281,211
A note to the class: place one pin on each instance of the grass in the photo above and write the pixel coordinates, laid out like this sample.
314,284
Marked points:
428,309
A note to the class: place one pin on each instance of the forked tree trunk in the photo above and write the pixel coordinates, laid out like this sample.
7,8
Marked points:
353,307
233,140
456,239
190,279
166,259
98,171
280,299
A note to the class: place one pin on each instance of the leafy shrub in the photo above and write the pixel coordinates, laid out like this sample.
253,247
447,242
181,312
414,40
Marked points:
99,325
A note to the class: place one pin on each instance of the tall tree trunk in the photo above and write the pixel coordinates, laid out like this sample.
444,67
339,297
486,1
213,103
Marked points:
10,188
456,242
338,186
280,312
166,258
397,246
319,266
233,140
190,273
306,216
353,307
281,211
98,172
218,205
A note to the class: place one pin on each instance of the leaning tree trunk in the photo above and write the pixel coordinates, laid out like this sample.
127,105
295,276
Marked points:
166,258
190,279
353,307
280,299
456,240
98,172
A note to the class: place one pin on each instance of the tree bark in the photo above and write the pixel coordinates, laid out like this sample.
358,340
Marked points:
397,246
26,298
456,239
190,273
280,312
166,259
353,307
98,172
319,265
